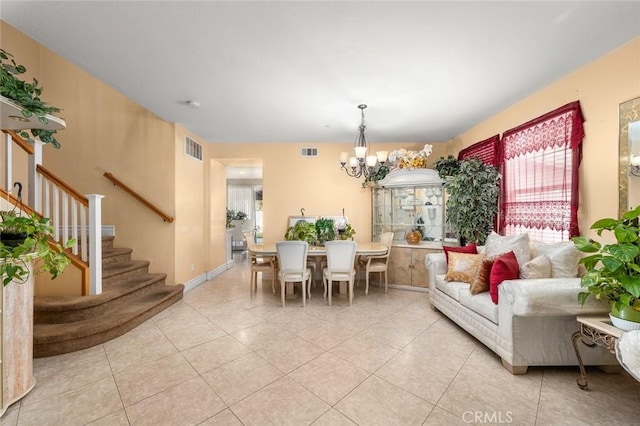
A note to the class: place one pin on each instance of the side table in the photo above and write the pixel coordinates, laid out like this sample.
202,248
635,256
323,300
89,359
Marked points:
594,330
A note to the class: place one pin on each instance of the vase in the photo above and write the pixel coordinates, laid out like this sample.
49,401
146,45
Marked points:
624,317
12,239
413,237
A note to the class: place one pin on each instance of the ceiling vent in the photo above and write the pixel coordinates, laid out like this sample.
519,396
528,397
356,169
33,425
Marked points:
192,148
308,152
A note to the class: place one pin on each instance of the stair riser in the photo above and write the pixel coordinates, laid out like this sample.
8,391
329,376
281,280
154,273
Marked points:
69,316
41,350
117,258
124,276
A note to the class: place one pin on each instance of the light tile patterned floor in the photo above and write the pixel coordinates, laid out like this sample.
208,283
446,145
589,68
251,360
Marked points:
221,357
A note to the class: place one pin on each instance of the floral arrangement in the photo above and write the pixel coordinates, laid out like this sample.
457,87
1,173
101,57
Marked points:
410,160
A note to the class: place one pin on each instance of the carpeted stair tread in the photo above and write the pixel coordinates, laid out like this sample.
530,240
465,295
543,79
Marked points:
56,339
113,269
66,303
47,333
116,254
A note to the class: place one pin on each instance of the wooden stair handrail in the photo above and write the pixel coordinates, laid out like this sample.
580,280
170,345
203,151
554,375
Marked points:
134,194
26,146
53,178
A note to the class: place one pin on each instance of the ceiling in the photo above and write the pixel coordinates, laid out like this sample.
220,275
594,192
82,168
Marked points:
295,71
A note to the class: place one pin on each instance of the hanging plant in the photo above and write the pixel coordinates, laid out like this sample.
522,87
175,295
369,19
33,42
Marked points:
447,166
26,95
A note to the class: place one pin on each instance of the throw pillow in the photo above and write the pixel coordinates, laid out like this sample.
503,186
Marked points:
463,267
471,249
497,244
505,267
480,282
538,267
564,258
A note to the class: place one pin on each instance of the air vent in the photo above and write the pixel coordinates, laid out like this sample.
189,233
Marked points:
192,148
309,152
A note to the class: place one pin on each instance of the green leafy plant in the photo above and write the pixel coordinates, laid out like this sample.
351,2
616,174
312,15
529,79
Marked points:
234,215
473,199
37,246
303,231
613,270
348,233
377,172
325,229
26,95
447,166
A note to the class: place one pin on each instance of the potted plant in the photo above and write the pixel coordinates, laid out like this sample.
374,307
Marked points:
347,233
325,229
447,166
473,200
302,230
613,270
37,245
27,96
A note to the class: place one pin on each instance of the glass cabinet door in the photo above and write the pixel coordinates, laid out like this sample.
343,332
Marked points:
406,208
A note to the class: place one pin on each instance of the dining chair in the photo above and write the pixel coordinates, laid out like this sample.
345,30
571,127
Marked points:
264,264
292,267
378,263
341,256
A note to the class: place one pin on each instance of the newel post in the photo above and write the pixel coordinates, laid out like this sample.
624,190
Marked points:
95,243
35,183
8,162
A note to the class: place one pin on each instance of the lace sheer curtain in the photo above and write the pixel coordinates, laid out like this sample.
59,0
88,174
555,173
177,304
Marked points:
540,161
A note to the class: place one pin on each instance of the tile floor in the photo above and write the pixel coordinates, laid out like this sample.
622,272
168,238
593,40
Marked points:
221,357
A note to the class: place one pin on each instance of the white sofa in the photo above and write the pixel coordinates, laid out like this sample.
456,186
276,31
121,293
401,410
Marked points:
532,323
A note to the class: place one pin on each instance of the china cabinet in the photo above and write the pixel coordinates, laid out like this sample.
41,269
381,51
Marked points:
406,201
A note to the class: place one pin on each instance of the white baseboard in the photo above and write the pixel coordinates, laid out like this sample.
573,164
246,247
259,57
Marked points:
202,278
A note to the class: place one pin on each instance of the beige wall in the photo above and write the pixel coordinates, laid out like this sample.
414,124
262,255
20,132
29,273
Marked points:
291,182
600,87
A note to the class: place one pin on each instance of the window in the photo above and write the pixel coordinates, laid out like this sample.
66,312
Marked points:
540,161
486,151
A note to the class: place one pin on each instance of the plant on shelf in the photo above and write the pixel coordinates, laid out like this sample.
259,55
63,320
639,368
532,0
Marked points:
303,231
410,160
325,229
27,96
447,166
473,200
233,215
347,233
613,270
36,246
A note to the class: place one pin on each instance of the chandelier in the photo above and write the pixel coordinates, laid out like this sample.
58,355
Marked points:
362,164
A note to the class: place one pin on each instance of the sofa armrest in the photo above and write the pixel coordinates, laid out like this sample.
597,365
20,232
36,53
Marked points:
546,297
436,264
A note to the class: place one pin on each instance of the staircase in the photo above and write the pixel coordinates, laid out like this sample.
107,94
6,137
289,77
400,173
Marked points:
130,296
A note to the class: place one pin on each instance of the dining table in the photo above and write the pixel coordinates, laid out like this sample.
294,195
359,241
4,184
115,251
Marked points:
267,249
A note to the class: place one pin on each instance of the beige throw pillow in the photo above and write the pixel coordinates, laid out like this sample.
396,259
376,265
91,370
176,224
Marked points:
538,267
519,244
564,258
463,267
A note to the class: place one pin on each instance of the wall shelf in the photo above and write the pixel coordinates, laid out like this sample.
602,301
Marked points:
11,118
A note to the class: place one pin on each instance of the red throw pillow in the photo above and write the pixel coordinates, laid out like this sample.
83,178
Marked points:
471,249
505,267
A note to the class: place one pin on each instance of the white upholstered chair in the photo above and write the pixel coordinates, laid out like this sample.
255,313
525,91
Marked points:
292,267
341,257
378,263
